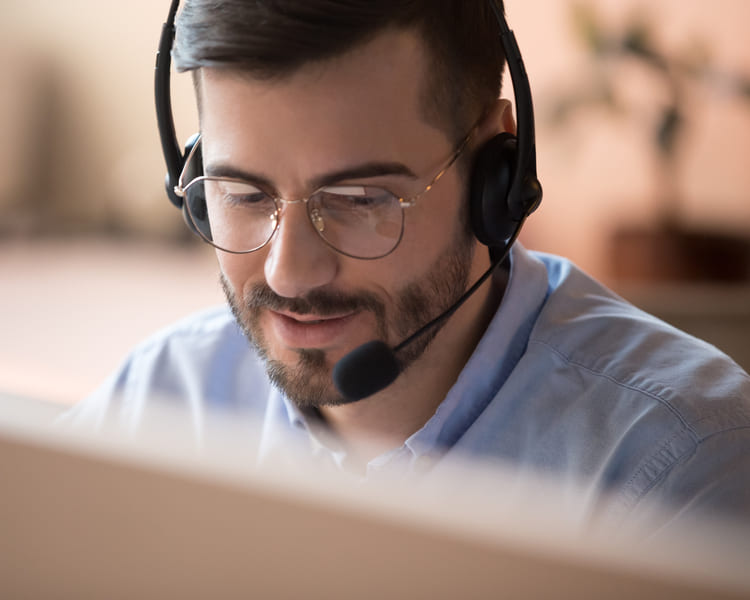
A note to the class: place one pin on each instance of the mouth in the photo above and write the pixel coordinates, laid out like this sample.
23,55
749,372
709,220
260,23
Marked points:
312,331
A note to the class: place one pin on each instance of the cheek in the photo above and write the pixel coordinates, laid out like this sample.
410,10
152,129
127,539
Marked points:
433,223
241,270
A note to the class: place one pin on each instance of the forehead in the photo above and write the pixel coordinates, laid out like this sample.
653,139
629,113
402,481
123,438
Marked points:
367,100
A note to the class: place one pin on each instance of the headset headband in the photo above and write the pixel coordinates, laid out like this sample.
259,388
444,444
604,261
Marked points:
524,185
170,146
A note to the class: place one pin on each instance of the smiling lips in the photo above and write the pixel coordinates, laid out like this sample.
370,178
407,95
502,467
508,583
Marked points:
310,331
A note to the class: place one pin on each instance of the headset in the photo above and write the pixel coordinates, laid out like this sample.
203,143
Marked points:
504,190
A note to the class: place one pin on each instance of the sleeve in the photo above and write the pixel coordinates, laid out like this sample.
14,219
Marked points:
201,364
711,483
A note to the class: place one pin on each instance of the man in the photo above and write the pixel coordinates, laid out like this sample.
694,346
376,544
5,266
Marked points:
339,146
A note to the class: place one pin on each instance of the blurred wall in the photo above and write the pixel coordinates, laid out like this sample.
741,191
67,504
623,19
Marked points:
81,151
599,171
101,160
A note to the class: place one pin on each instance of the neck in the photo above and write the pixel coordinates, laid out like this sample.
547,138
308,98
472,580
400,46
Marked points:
386,419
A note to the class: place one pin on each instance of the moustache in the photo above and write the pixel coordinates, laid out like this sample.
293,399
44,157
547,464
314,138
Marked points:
317,302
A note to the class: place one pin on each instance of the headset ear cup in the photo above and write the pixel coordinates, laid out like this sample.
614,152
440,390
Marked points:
492,175
194,209
195,213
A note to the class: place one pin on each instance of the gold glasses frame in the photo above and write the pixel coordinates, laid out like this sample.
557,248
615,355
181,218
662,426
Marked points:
404,202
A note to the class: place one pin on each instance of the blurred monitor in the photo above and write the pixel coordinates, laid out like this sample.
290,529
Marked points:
98,516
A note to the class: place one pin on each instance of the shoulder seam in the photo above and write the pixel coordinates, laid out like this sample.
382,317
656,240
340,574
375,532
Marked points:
597,373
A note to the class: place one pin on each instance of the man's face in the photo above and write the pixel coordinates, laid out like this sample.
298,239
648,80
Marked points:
302,304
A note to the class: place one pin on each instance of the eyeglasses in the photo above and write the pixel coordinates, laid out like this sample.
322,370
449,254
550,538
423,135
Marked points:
236,216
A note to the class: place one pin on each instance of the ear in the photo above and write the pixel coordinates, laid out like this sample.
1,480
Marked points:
507,120
498,118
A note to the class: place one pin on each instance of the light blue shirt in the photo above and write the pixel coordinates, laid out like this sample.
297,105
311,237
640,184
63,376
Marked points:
568,379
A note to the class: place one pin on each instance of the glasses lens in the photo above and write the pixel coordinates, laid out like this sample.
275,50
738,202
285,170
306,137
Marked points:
360,221
232,215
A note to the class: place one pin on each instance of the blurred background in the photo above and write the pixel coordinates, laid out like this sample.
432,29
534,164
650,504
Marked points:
643,143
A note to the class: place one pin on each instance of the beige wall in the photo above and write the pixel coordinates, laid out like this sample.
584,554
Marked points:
104,163
104,145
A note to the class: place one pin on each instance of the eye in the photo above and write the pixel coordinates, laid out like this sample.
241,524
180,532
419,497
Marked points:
237,194
245,198
354,196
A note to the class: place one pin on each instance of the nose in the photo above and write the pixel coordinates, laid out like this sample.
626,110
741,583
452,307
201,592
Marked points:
298,260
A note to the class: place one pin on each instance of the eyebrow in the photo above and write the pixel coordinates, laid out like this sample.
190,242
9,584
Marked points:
363,171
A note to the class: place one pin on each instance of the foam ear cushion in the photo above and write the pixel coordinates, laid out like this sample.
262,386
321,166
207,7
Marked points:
195,213
492,175
194,209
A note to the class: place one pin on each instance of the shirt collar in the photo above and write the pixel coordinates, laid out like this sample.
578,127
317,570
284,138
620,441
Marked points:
494,358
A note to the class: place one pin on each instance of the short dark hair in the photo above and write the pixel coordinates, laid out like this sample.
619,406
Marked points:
273,38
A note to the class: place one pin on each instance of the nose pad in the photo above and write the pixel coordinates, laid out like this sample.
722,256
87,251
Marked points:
317,220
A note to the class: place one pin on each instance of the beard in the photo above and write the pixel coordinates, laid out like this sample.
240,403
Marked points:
308,382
